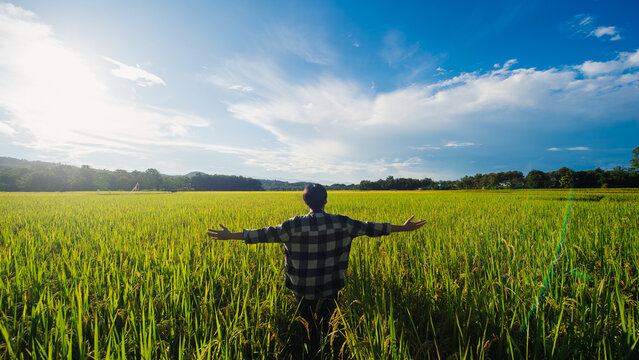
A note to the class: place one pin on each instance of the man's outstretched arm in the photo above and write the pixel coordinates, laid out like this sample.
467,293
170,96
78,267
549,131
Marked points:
409,225
224,234
269,234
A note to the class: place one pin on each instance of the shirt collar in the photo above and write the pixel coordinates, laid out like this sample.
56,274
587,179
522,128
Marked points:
316,212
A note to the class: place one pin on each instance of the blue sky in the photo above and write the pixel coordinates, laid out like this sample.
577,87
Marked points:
321,91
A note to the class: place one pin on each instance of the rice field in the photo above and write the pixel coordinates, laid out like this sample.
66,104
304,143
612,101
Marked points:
493,274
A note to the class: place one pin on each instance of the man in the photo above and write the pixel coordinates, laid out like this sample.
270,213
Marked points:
316,248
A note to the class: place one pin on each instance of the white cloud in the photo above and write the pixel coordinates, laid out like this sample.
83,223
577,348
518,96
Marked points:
624,61
241,88
594,68
507,65
354,41
632,59
134,73
6,129
305,43
425,147
604,30
576,148
610,31
339,123
54,101
16,12
458,144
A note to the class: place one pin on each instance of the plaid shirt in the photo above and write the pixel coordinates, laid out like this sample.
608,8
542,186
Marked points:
316,249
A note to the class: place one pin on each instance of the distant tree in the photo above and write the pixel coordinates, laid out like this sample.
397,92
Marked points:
151,179
537,179
565,181
341,187
102,180
10,178
555,178
515,179
177,183
589,178
205,182
121,180
634,162
467,182
618,177
82,179
566,177
426,183
365,185
41,179
388,183
371,185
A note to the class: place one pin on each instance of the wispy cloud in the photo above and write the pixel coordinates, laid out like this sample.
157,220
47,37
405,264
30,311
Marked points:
395,49
353,40
409,59
576,148
6,129
507,65
584,20
425,147
458,144
303,42
228,82
134,73
449,144
241,88
584,25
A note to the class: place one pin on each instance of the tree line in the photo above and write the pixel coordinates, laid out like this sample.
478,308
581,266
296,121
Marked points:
22,175
619,177
56,177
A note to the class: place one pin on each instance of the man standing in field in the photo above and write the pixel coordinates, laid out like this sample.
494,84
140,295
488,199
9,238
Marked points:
316,248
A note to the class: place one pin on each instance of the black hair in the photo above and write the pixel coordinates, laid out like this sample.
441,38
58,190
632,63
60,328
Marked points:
315,196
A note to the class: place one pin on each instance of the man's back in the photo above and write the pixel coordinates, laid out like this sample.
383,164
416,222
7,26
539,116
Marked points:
317,248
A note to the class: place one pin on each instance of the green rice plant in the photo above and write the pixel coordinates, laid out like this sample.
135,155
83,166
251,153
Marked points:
125,275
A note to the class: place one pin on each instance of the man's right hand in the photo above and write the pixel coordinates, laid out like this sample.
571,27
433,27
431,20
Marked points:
224,234
408,225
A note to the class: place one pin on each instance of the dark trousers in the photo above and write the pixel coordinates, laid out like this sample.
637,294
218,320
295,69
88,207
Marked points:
317,314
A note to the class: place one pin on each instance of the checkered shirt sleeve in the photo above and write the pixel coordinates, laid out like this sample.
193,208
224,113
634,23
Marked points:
270,234
370,229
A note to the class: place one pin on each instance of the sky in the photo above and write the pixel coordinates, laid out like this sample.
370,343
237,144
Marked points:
329,92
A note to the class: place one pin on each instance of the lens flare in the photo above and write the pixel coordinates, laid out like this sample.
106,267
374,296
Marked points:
542,293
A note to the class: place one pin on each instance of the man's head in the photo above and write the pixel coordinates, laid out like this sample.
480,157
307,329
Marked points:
315,196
